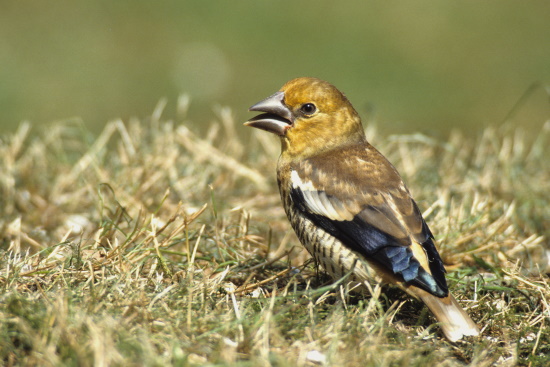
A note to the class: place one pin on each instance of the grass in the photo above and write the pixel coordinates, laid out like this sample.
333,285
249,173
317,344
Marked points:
151,245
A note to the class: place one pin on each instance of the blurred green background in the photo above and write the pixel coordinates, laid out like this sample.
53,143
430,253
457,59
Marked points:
425,66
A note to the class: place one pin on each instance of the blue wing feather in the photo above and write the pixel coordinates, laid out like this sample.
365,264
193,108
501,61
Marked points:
382,247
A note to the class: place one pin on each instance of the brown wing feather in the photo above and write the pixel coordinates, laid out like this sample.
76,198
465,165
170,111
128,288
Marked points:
362,182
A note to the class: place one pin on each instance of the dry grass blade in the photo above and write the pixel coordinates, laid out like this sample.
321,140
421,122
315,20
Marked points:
152,245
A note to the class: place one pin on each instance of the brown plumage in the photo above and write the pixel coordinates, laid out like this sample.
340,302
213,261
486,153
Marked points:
348,204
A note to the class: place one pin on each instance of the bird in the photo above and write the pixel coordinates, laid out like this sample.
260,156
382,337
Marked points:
348,205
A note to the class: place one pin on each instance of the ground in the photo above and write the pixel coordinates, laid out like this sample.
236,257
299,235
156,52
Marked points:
152,244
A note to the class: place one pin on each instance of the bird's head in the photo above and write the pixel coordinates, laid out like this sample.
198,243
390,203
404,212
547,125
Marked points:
310,115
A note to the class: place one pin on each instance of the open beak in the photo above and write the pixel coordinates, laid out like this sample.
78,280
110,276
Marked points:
277,117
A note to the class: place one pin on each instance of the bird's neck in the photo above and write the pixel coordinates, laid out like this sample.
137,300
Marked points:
314,145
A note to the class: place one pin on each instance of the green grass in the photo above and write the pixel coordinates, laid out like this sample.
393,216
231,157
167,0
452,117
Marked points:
150,245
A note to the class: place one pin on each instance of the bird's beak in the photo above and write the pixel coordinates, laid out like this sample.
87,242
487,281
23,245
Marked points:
277,117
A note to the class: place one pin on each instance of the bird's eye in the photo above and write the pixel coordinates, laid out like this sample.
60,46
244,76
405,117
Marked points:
308,109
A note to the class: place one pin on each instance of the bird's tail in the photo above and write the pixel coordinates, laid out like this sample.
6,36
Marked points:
454,321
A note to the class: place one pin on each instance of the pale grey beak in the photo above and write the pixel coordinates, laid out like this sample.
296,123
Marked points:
278,117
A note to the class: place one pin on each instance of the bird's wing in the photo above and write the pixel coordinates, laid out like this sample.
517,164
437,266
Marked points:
358,197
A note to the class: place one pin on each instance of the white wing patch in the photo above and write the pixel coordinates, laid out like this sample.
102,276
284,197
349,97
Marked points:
318,202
